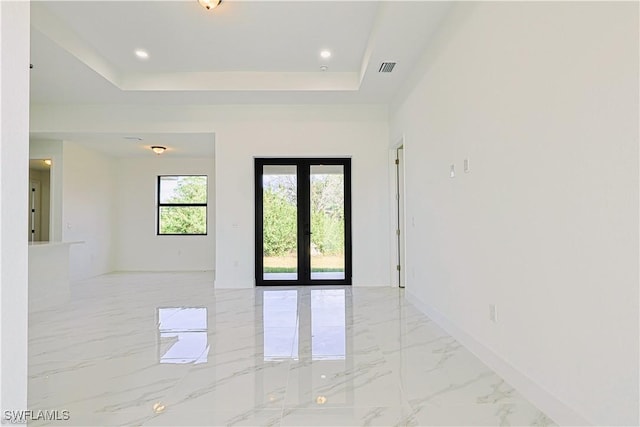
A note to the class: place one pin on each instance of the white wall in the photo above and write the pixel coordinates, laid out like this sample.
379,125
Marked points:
543,99
363,140
88,210
14,158
138,248
245,131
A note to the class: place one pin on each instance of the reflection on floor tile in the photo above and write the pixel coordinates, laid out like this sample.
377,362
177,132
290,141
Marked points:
169,350
183,334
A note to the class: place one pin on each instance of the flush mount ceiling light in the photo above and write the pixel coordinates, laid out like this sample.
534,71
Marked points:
142,54
158,149
325,54
209,4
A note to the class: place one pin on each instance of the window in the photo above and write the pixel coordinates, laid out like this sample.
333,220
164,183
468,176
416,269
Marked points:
182,205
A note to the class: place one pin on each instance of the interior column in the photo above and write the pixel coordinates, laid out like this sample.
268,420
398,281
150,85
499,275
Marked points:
14,160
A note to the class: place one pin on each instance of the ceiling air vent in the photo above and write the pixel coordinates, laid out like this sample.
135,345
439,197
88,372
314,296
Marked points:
386,67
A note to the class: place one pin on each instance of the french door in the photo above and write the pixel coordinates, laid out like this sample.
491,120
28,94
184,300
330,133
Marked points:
303,221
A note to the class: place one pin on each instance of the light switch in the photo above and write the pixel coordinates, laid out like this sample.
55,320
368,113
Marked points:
467,168
452,171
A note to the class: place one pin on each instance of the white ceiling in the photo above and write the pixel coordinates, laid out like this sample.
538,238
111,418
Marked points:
139,145
238,36
243,52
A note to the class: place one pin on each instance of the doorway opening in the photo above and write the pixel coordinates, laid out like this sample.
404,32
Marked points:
39,200
303,221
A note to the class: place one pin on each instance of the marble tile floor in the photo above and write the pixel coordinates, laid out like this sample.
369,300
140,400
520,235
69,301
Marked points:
166,349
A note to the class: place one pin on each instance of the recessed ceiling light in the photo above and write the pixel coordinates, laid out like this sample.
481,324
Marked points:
142,54
326,54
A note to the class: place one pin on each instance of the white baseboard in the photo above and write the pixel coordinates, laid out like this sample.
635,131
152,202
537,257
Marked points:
545,401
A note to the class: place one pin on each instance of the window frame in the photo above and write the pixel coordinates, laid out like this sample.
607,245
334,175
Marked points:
160,205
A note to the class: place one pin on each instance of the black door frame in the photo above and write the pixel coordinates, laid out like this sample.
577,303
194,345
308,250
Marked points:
303,167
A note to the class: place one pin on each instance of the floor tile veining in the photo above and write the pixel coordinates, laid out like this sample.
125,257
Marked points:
166,349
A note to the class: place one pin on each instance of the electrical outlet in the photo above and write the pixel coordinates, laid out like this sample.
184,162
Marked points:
493,312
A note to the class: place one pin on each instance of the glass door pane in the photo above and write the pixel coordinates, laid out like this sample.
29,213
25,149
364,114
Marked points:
326,201
280,222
